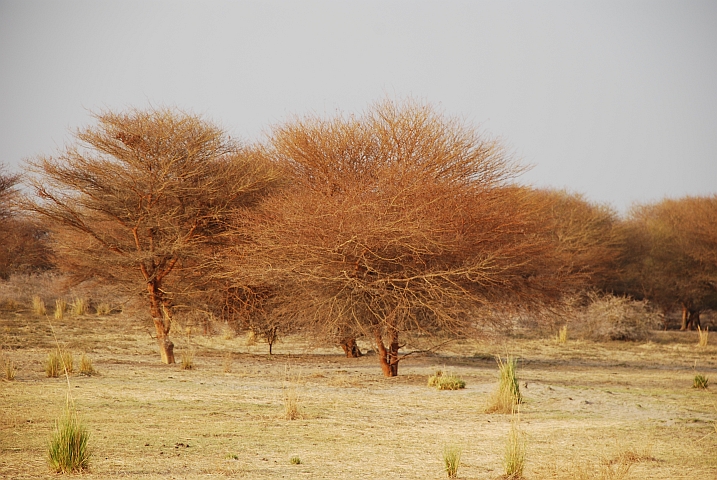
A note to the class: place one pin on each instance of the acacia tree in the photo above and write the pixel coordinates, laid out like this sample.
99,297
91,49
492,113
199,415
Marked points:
396,221
672,249
142,199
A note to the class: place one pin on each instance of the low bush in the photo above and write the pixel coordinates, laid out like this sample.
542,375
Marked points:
607,317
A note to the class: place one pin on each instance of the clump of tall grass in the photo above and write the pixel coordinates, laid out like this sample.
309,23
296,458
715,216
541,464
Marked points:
562,335
8,367
60,308
700,381
514,459
452,460
507,395
79,306
446,382
103,308
704,336
59,361
38,306
86,367
188,360
69,450
291,403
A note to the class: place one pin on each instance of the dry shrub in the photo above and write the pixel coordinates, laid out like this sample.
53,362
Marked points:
608,317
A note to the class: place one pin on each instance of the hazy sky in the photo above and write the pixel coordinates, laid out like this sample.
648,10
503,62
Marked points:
616,100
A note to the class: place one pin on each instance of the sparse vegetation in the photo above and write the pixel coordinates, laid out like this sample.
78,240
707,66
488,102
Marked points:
452,460
86,367
79,306
8,366
291,403
38,306
446,382
703,336
514,458
188,359
103,308
69,450
700,381
507,395
60,308
59,362
562,335
295,460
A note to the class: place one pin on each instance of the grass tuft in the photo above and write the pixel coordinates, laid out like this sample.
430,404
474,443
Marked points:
103,309
8,367
38,306
704,336
507,395
446,382
68,450
700,381
79,306
295,460
86,367
60,308
188,360
562,335
452,460
514,459
227,364
59,362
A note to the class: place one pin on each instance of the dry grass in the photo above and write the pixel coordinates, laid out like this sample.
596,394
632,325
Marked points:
703,336
79,306
60,308
8,366
562,335
452,460
188,359
86,367
507,395
588,406
38,306
59,362
446,382
514,459
103,308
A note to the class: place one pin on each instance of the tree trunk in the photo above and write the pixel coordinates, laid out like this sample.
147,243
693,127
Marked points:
690,318
161,316
350,348
388,357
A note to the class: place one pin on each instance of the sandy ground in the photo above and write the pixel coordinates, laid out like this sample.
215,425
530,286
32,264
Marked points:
592,410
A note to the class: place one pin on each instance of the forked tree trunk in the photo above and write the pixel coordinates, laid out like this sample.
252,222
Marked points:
388,356
161,316
690,318
350,348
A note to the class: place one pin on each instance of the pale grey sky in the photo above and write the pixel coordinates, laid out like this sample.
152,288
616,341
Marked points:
613,99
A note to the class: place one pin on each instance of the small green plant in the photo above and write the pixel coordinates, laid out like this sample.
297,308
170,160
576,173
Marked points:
68,450
8,367
38,306
704,336
507,395
233,456
103,309
79,306
452,459
514,460
295,460
446,382
700,381
188,360
86,367
60,308
58,362
562,336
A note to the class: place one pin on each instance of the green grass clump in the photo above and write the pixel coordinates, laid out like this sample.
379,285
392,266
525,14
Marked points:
295,460
451,460
68,450
38,306
446,382
59,361
514,459
507,395
700,381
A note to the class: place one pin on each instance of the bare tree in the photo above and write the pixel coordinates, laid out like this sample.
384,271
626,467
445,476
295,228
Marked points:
396,221
672,255
142,199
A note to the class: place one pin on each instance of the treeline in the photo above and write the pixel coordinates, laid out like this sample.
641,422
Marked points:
399,221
